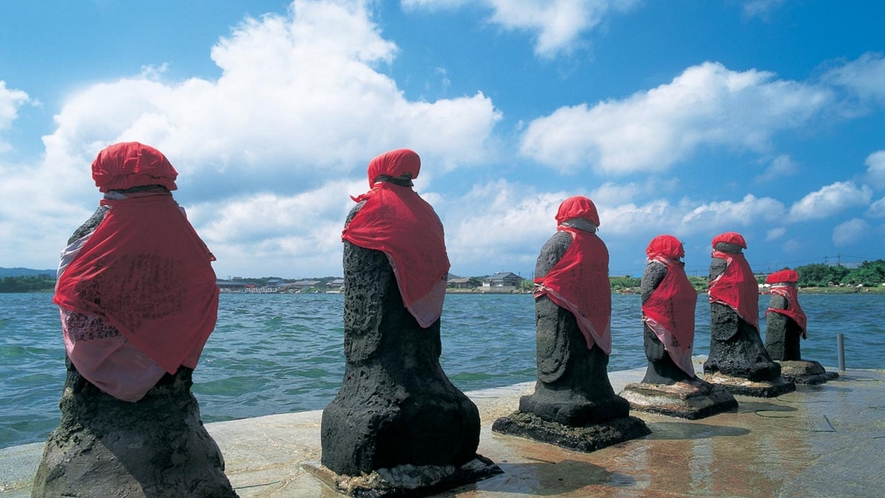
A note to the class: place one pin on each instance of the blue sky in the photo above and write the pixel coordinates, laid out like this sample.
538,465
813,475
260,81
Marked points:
687,117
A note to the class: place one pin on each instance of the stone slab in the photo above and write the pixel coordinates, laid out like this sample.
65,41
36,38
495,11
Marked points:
589,438
805,372
758,389
689,400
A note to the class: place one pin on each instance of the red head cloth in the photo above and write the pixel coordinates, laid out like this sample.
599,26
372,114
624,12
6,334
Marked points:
669,311
145,272
736,288
579,281
666,247
131,164
787,276
398,222
789,292
577,207
730,238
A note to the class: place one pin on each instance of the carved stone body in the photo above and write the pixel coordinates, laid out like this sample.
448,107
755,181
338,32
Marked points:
782,333
573,388
736,347
152,448
661,367
396,406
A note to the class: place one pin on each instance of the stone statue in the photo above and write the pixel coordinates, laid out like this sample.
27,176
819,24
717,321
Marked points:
737,357
138,300
573,314
670,385
786,323
396,407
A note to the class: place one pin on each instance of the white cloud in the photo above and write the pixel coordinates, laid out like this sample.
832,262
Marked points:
850,232
782,166
830,200
775,233
876,168
707,105
877,209
556,24
10,101
299,99
865,76
725,215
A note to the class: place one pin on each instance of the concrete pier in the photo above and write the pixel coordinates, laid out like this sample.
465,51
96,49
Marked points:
824,440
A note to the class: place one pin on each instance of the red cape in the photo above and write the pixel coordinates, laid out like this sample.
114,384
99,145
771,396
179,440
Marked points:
737,288
145,271
398,222
793,310
579,283
670,312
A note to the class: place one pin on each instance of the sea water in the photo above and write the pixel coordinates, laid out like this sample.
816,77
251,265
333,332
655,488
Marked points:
280,353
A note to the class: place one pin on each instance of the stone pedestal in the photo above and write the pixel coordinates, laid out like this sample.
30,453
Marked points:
692,399
397,416
156,447
746,387
806,372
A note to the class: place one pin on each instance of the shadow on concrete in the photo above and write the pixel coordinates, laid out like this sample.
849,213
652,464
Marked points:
762,406
544,478
686,430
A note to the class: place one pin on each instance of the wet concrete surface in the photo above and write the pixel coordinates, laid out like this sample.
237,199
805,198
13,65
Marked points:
819,441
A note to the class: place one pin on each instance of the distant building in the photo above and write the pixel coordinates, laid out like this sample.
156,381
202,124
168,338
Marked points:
502,282
463,283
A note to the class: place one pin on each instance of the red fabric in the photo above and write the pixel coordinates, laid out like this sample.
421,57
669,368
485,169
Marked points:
665,246
131,164
783,276
737,288
730,238
398,222
145,272
579,283
793,309
670,312
577,207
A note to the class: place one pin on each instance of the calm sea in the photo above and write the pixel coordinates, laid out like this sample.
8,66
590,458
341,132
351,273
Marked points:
279,353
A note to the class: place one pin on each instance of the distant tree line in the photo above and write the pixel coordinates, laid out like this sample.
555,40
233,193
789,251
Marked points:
868,274
41,283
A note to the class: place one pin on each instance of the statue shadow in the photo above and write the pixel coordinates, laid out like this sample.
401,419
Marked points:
690,430
762,406
543,478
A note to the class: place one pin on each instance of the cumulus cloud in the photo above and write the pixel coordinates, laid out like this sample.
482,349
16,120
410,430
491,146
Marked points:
557,25
849,232
864,77
723,215
877,209
299,98
830,200
775,233
706,105
876,168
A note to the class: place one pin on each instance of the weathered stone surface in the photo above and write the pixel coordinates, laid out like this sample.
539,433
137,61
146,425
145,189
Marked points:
573,388
806,372
661,367
587,438
782,333
156,447
406,481
746,387
395,406
693,399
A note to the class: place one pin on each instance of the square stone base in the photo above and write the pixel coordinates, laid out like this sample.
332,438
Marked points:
407,481
690,400
806,372
590,438
759,389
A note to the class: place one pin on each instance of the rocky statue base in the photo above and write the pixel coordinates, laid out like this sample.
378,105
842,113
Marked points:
154,447
586,439
406,481
746,387
806,372
692,399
